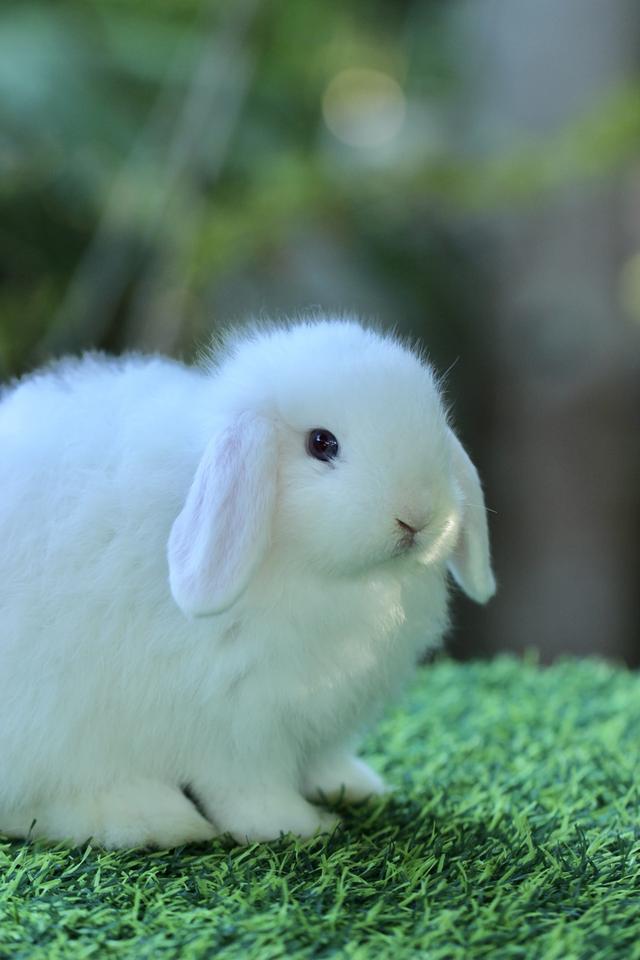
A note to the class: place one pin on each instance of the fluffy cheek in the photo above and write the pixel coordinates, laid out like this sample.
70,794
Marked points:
440,542
319,524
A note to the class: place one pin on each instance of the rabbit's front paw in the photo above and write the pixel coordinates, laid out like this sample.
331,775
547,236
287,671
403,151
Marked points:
267,817
341,776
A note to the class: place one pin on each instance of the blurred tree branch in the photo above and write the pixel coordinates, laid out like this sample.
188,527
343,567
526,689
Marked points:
154,189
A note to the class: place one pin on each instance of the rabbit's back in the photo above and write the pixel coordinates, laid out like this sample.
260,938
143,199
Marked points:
83,453
95,458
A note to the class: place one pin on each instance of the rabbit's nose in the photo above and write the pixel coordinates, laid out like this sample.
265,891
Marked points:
408,530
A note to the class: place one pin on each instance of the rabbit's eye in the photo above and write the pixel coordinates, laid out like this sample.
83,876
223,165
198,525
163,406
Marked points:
322,444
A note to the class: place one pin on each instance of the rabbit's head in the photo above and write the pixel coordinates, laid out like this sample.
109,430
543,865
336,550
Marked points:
337,454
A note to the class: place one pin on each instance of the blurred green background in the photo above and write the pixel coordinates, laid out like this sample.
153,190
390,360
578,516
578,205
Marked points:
467,170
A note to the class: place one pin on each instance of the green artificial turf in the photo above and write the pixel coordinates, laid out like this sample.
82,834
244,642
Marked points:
513,830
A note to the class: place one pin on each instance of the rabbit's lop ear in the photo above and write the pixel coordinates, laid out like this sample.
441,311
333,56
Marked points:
223,530
471,560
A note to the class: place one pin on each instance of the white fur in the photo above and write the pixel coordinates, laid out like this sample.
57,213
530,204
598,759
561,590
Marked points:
115,691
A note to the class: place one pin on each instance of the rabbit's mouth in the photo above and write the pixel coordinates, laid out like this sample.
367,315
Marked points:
408,537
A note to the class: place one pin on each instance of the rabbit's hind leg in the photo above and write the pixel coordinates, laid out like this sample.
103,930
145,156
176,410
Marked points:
144,813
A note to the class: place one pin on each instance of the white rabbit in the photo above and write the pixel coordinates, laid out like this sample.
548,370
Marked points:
213,578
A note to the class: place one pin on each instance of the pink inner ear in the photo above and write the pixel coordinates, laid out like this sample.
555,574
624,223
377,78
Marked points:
223,529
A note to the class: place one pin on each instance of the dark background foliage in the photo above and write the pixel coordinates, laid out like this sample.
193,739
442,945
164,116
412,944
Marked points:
465,170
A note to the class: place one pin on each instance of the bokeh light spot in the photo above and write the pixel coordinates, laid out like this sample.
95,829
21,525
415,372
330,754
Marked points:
364,108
